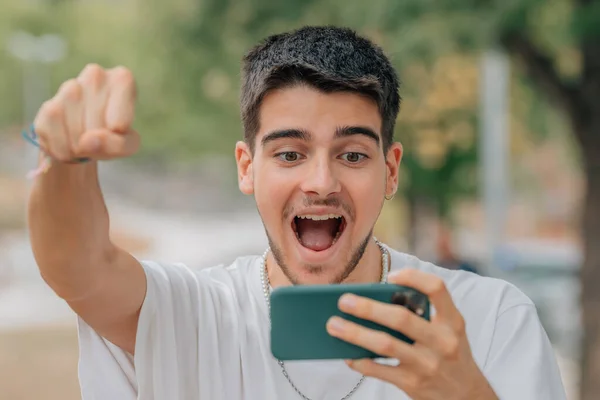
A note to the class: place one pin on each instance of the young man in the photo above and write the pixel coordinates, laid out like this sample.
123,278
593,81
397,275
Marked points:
318,107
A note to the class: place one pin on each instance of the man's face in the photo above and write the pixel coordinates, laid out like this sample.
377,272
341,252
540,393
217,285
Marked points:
319,177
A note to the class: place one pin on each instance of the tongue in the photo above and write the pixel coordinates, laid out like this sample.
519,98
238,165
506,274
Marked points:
316,235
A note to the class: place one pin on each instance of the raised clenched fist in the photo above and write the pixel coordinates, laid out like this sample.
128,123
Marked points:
90,116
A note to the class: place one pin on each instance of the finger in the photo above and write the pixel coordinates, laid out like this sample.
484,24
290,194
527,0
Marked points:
120,108
395,317
93,82
102,144
376,341
433,287
70,95
400,376
49,127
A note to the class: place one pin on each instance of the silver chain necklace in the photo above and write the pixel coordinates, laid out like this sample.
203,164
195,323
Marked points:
266,286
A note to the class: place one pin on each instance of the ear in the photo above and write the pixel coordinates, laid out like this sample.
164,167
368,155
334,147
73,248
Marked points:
243,158
392,162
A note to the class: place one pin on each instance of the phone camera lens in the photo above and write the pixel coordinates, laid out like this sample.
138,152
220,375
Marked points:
400,299
411,301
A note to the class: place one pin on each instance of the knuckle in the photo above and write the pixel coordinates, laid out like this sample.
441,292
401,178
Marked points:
401,318
62,155
51,110
352,334
451,347
432,367
122,75
93,75
55,146
92,68
437,286
386,345
413,382
119,125
363,308
366,368
408,275
71,90
461,326
410,272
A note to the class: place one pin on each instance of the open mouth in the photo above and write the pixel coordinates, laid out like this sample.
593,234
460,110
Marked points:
318,232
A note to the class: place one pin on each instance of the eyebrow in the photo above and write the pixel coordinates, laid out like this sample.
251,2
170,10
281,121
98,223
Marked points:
347,131
286,134
341,132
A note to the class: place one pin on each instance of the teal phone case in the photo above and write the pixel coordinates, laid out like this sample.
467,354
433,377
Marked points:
299,314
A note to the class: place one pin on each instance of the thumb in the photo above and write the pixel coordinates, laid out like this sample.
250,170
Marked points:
102,144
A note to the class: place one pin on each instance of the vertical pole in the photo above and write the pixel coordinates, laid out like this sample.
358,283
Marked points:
494,151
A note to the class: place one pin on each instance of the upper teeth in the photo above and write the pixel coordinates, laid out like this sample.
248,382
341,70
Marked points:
320,217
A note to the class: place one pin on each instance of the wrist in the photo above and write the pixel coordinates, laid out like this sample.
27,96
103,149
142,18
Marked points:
60,173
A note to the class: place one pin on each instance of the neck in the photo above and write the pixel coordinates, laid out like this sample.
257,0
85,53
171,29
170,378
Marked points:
368,269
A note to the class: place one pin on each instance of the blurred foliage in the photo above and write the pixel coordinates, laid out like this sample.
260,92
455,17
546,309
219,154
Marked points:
186,57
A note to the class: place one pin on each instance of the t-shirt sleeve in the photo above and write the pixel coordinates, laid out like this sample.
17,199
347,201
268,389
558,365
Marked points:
167,346
521,363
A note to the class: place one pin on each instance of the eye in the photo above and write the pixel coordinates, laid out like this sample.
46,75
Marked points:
288,156
353,157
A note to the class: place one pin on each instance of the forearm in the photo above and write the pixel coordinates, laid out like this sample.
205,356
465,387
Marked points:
69,228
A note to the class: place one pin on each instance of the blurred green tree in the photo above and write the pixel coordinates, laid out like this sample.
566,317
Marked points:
556,44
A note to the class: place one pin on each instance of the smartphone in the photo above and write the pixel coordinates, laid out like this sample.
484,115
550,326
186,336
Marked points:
299,314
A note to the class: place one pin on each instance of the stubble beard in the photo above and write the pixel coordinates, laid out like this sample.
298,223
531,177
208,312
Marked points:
316,269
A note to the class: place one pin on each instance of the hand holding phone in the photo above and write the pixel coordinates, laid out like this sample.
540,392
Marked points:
440,366
299,315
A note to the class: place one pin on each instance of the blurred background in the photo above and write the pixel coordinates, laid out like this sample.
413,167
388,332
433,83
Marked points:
500,124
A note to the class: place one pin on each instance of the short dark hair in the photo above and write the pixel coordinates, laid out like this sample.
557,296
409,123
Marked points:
329,59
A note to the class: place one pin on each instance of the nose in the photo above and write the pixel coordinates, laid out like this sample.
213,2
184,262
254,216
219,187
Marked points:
320,178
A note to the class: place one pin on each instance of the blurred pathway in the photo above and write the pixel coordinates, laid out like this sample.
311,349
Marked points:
197,240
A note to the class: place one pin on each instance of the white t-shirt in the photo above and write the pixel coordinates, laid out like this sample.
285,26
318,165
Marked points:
204,334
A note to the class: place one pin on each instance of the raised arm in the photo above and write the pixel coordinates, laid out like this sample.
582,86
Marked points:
90,117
